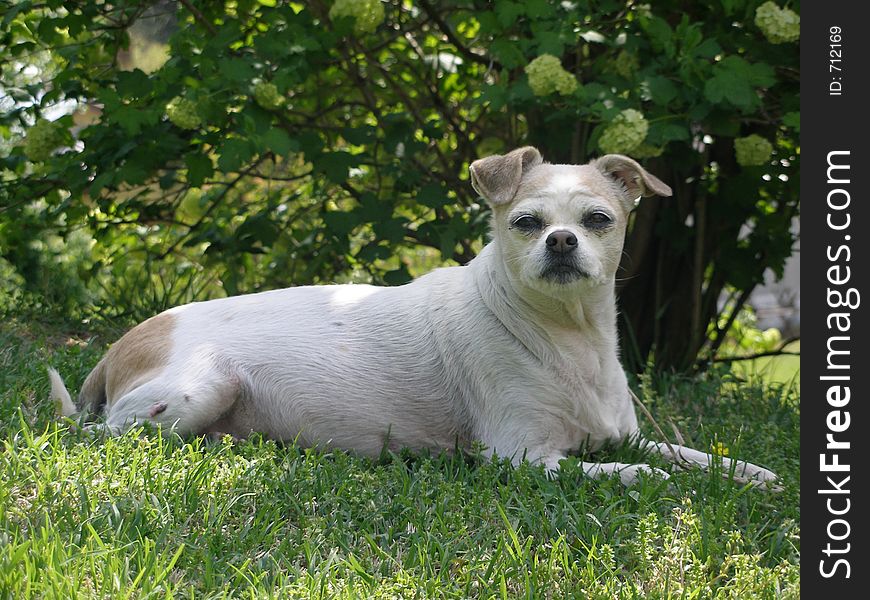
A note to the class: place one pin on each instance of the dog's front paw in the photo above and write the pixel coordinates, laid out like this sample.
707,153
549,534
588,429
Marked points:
757,476
629,474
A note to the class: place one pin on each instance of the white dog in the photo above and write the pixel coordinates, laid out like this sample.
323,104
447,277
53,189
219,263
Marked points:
517,350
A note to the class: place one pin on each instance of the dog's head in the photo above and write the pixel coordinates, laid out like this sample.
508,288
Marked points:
561,226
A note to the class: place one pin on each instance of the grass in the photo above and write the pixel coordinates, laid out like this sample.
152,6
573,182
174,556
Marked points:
144,516
784,369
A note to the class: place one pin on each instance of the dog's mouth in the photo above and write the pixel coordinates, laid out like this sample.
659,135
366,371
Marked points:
563,272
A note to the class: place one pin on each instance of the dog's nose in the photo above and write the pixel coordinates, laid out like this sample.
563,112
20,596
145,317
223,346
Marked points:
561,241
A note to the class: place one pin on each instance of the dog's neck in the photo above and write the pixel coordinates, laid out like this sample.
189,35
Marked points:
591,314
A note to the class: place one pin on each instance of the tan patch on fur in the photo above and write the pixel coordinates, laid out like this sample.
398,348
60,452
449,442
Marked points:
93,393
138,355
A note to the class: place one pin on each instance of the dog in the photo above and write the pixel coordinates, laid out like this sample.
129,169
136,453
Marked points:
515,351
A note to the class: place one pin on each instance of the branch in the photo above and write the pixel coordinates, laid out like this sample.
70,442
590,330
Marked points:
451,37
778,352
199,17
217,200
722,331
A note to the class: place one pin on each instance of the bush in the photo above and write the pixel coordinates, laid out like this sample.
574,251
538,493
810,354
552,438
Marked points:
362,164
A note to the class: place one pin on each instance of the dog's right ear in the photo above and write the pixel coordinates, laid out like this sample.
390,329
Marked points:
498,177
634,180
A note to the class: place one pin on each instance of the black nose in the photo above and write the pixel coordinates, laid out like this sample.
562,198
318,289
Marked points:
562,241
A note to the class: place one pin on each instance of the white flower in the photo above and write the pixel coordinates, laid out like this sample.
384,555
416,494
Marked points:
546,76
625,133
266,95
752,151
182,113
778,25
42,139
367,13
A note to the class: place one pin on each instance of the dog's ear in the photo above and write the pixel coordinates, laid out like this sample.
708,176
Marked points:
498,177
635,180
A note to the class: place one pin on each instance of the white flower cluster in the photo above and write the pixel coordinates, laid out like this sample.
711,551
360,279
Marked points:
625,133
266,95
625,64
546,76
182,113
368,14
752,150
42,139
779,25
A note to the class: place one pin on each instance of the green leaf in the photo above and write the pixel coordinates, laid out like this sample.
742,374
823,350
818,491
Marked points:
508,53
662,90
311,143
13,9
132,118
279,142
432,195
339,223
549,42
707,49
496,94
133,84
234,152
392,229
662,132
538,9
373,251
734,82
236,69
132,173
335,165
359,136
257,228
660,35
508,12
792,120
399,276
447,243
372,209
199,168
100,181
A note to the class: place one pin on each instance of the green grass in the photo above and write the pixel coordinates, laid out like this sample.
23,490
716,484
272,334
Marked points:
142,516
784,369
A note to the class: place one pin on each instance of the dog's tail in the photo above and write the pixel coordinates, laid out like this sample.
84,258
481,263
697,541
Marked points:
91,398
63,404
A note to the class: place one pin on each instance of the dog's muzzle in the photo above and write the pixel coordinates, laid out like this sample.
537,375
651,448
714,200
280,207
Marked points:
561,257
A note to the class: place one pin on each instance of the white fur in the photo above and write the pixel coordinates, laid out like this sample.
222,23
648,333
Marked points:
489,352
63,403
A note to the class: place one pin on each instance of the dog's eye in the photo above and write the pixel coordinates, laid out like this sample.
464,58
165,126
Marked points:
597,219
526,223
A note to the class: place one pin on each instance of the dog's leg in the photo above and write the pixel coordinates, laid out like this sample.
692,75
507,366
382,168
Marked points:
628,473
681,455
187,408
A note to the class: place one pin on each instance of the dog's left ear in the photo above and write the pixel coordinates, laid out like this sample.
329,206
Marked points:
498,177
634,178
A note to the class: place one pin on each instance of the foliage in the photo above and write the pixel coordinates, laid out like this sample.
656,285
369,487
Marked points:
140,515
293,143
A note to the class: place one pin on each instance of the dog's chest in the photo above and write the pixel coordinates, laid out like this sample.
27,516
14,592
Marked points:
588,392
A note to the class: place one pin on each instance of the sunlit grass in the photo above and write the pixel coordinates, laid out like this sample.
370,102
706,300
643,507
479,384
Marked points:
783,369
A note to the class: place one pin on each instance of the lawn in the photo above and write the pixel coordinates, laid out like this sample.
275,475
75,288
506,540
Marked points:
783,369
143,516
